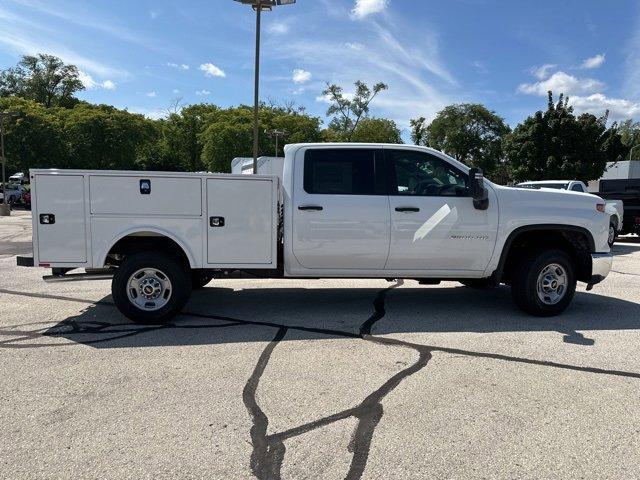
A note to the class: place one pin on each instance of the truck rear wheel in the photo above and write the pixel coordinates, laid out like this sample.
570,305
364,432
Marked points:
151,287
544,282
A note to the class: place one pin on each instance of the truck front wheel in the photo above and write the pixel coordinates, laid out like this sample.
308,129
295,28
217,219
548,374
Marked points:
544,282
151,287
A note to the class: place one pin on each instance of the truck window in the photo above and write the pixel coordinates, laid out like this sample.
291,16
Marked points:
347,171
421,174
577,188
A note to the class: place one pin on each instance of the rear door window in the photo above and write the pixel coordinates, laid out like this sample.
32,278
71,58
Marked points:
347,171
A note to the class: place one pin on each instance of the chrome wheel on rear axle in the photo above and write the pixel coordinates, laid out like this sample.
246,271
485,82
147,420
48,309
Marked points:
149,289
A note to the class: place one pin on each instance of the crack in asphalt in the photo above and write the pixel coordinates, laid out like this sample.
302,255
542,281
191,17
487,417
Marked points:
268,450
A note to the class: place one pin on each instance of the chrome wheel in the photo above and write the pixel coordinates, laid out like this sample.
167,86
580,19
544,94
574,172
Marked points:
552,284
149,289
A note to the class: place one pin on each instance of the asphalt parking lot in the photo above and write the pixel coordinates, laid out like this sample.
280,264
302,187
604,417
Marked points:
317,379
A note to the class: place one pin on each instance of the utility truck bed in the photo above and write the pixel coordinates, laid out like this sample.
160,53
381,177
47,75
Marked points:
220,221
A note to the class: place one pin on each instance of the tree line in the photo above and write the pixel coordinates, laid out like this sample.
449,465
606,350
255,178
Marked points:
57,130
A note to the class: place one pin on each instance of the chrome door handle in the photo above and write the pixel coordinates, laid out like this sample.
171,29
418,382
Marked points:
407,209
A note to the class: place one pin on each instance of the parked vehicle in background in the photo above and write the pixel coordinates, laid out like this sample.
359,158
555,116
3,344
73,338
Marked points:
18,178
12,192
614,208
627,191
336,210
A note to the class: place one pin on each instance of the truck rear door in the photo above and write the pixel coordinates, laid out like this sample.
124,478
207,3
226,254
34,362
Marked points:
340,209
59,219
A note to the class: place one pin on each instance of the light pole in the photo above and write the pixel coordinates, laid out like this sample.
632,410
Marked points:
259,6
5,210
276,134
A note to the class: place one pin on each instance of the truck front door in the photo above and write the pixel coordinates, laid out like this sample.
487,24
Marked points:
340,209
434,225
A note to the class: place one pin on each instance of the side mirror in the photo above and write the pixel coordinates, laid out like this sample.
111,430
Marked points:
479,192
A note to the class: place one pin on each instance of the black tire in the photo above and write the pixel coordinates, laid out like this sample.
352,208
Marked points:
200,278
170,266
479,283
525,279
613,232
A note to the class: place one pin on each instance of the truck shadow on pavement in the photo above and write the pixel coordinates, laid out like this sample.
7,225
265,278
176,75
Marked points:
329,311
332,313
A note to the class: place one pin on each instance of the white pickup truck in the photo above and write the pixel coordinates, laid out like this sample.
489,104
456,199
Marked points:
336,210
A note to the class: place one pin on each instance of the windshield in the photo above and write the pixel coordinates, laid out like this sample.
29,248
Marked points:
557,186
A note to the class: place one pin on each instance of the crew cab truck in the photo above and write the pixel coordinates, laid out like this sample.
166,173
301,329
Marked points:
336,210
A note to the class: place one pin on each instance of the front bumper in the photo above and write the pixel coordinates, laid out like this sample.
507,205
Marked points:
600,267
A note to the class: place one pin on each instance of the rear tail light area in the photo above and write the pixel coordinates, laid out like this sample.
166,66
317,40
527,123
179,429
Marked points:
600,207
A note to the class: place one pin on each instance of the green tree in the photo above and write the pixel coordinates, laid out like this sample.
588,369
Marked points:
35,139
558,145
42,78
229,133
377,130
469,132
103,137
418,130
630,136
348,112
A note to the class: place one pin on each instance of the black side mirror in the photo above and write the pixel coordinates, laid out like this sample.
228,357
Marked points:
479,192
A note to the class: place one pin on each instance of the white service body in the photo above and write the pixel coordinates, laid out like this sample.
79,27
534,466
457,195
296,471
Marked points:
94,209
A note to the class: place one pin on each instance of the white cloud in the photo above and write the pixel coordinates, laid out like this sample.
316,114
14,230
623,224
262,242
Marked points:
542,72
203,93
175,90
210,70
597,104
327,99
561,82
594,62
364,8
407,60
154,14
151,94
278,28
354,46
300,76
181,66
90,84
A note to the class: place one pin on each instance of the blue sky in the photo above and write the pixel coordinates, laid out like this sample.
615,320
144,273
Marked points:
141,55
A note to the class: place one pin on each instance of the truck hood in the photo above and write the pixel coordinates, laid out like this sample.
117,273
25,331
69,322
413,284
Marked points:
545,195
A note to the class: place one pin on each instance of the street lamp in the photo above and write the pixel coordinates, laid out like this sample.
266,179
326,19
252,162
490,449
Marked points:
277,134
5,210
259,6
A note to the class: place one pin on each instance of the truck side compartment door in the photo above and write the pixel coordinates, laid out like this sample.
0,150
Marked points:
241,221
434,225
60,220
340,209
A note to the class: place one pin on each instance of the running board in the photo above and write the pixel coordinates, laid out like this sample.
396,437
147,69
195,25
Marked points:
79,277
